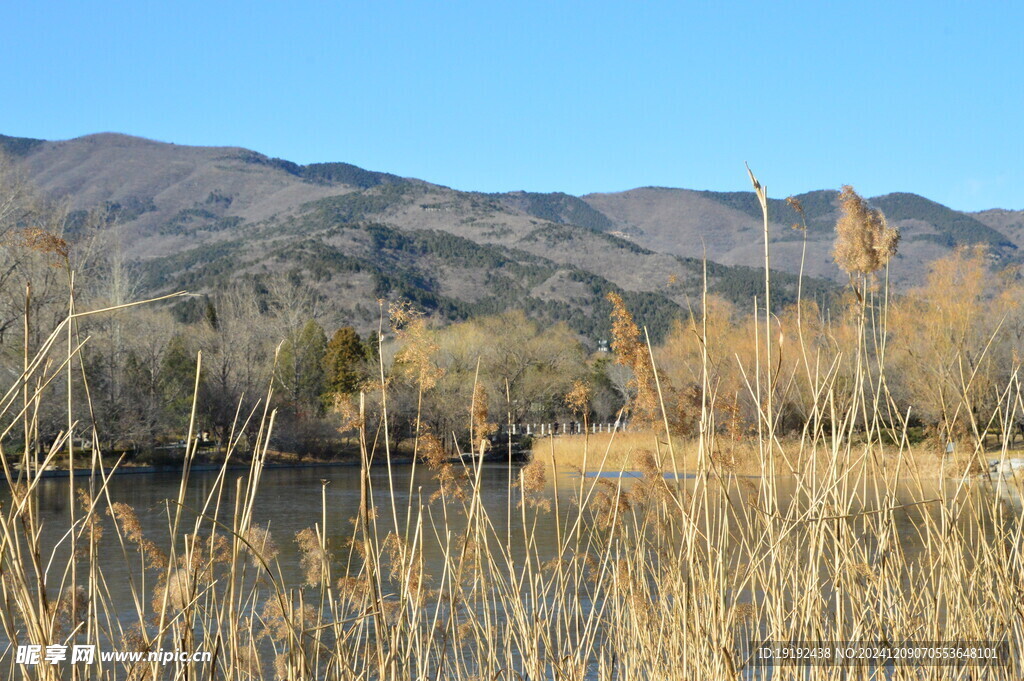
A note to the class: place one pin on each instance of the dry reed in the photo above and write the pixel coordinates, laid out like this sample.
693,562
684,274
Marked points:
647,578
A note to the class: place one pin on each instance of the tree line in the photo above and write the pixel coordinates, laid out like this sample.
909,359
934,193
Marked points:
942,353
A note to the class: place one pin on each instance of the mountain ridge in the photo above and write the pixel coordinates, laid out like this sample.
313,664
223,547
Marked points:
197,216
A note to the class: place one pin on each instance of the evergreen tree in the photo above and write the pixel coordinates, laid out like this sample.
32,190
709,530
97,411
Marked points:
300,369
343,362
210,315
177,375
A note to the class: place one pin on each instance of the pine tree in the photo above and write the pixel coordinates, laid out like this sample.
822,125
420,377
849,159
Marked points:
343,362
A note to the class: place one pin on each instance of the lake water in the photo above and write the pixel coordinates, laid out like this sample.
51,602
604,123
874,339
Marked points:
288,501
293,499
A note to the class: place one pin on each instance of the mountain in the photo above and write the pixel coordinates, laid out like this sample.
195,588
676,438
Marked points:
1008,222
199,217
729,226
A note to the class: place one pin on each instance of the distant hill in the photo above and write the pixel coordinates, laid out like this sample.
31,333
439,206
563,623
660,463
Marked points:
1007,222
198,217
728,226
18,146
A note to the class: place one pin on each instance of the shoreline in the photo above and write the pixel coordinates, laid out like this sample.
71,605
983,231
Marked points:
993,474
202,468
211,467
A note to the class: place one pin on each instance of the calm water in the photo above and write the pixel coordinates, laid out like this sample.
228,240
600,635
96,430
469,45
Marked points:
290,500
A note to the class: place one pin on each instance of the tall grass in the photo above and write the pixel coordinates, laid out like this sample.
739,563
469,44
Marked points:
836,538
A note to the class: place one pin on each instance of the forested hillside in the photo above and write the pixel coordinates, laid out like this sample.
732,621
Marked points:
292,272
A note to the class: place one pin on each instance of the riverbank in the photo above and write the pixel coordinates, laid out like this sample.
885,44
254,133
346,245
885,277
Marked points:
140,470
631,451
204,460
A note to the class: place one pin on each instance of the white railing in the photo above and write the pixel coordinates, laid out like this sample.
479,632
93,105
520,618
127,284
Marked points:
545,429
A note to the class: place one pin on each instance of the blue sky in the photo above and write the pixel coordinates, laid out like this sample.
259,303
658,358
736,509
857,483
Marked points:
549,96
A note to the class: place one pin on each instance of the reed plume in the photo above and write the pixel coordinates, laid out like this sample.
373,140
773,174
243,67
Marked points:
864,240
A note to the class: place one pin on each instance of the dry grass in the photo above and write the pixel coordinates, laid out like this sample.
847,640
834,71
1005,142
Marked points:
645,578
621,451
613,451
640,579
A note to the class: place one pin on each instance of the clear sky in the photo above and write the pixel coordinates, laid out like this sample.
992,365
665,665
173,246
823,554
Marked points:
549,96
